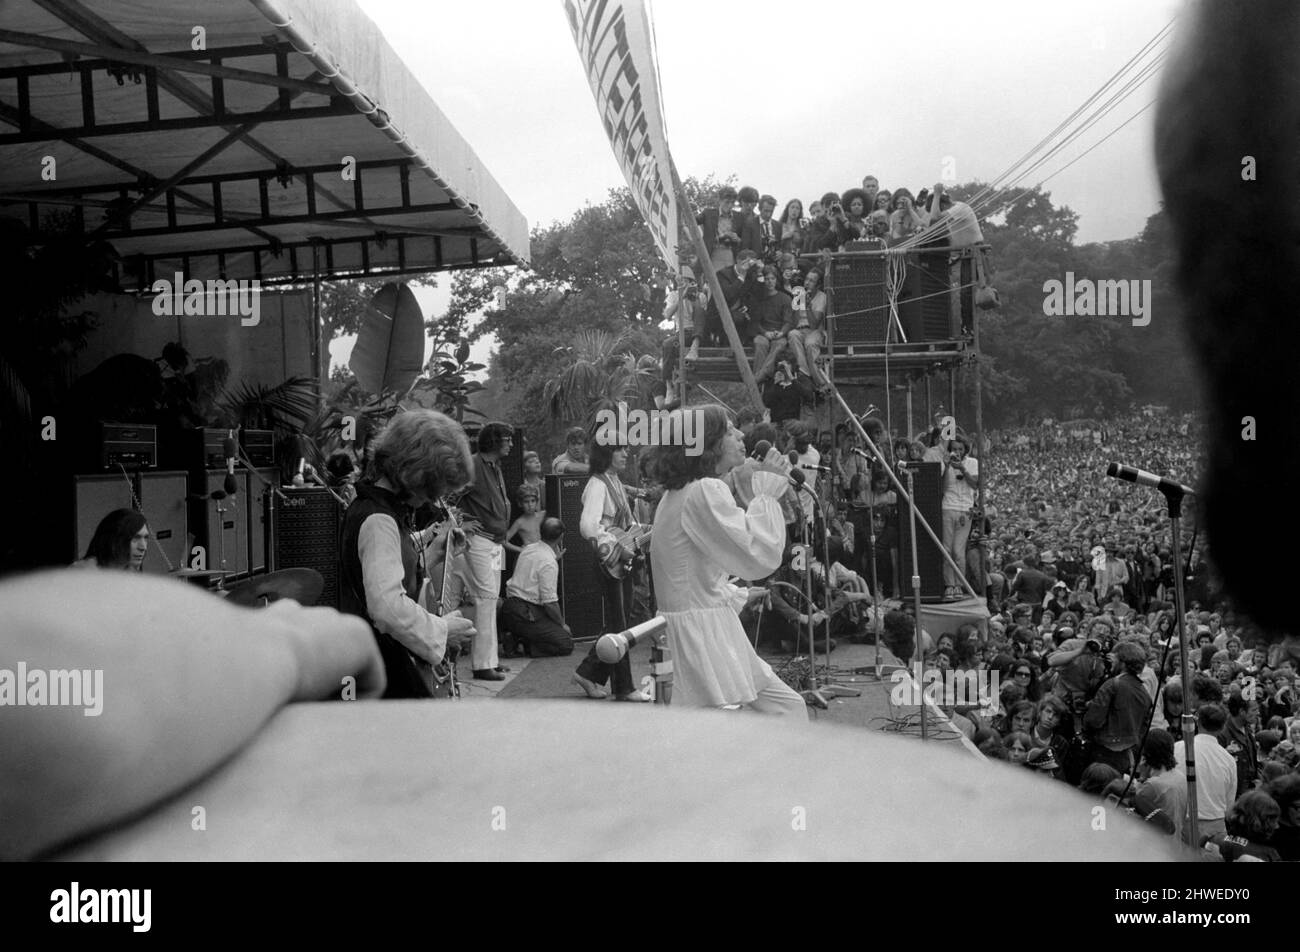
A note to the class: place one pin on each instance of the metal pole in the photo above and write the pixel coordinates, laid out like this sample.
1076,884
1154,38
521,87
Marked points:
1188,720
315,314
909,409
929,406
916,597
715,290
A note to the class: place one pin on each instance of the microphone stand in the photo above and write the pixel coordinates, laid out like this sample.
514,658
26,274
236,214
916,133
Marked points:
1174,502
916,593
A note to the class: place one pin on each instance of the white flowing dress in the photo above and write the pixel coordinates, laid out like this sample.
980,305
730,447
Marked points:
700,537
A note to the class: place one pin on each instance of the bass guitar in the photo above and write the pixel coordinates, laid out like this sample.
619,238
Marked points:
617,557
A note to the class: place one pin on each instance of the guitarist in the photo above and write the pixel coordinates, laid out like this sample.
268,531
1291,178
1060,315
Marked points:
417,458
605,507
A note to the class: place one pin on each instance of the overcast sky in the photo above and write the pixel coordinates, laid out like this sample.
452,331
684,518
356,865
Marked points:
799,98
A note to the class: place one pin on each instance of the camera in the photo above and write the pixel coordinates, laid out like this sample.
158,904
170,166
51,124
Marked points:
837,208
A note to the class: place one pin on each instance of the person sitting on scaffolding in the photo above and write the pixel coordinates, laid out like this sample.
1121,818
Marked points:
809,336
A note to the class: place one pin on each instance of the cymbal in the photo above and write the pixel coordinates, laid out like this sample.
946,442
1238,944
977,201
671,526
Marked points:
302,585
198,573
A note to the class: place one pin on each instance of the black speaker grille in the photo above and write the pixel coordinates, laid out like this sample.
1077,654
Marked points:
925,305
308,532
859,302
928,493
581,593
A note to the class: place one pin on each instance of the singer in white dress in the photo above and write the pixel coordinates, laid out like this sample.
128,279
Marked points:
701,536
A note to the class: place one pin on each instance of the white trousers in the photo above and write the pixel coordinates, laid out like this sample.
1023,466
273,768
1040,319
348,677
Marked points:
484,584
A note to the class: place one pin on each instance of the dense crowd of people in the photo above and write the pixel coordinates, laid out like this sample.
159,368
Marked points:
771,269
1077,574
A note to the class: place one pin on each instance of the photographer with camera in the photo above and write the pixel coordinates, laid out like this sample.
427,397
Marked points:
961,480
831,229
905,220
720,227
739,284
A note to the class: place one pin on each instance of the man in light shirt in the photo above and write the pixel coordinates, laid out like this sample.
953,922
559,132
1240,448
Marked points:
1216,770
532,609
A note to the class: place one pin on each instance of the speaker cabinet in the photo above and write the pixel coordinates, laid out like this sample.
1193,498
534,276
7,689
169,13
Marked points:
162,501
306,527
928,493
221,525
859,302
581,598
255,509
925,305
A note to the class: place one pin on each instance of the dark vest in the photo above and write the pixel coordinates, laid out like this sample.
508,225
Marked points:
402,678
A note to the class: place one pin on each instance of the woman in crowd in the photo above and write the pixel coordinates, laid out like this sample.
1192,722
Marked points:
905,220
1082,599
606,512
701,537
1024,673
794,227
855,210
120,542
884,201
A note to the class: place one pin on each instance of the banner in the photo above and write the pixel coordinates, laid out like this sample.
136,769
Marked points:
613,38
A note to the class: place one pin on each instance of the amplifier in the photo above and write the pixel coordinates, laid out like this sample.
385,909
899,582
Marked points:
581,589
196,450
259,447
306,528
859,302
131,445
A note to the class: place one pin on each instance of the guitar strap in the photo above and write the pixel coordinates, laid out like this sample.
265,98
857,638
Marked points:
622,509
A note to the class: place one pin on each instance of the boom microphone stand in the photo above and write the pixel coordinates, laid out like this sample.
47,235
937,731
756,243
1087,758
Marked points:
1174,494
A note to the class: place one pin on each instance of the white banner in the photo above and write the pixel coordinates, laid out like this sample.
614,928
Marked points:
613,38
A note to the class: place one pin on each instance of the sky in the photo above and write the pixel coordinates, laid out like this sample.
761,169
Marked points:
798,99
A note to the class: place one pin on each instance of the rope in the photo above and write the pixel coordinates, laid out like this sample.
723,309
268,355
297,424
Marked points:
135,501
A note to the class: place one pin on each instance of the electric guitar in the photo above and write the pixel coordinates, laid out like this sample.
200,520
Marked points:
440,679
616,558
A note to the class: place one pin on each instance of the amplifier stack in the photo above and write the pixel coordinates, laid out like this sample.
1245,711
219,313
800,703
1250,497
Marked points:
581,584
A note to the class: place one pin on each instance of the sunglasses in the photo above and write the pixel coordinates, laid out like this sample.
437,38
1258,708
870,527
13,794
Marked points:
1022,674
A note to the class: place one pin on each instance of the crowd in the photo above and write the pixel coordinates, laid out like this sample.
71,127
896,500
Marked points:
771,272
1078,577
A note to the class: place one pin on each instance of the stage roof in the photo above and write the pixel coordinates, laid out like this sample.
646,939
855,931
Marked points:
231,161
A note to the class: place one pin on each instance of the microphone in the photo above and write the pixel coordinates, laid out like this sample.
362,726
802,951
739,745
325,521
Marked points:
1142,477
794,461
612,647
228,447
762,448
298,480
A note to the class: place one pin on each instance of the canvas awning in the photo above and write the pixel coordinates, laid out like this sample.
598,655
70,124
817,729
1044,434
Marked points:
295,133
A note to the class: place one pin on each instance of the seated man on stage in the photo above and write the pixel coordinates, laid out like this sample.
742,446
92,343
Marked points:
121,541
532,609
